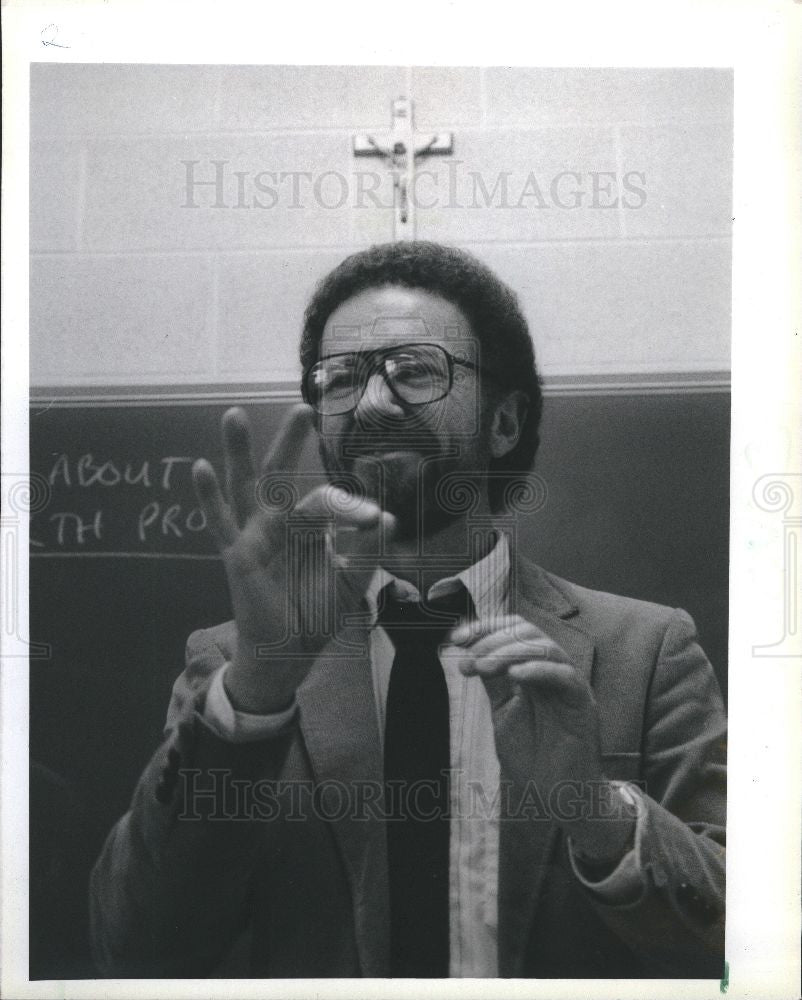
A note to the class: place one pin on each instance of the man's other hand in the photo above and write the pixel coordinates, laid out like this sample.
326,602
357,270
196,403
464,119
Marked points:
546,726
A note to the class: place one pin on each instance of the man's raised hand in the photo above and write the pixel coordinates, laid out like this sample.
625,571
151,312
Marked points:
277,595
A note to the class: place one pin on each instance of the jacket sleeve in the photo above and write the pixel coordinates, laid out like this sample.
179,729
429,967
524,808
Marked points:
676,924
169,892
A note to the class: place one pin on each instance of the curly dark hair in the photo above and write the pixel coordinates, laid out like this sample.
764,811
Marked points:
490,306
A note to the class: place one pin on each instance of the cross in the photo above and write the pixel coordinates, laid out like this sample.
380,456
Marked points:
401,147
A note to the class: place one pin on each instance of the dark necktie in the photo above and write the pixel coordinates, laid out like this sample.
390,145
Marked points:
416,765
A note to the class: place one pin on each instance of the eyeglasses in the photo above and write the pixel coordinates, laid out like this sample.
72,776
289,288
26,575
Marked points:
417,374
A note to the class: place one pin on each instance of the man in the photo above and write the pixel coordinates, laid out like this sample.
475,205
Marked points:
413,752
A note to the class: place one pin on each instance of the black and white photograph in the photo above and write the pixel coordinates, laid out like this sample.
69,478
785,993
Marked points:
379,523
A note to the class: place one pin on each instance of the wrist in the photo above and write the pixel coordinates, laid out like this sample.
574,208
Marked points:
257,691
603,839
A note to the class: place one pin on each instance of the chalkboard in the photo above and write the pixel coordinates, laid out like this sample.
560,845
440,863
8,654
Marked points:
121,572
117,480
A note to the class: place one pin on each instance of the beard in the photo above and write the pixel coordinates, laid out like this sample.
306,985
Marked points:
405,475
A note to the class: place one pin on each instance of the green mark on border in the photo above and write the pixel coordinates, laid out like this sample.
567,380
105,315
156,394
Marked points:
724,985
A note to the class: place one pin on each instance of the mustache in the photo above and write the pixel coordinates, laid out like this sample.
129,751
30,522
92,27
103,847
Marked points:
361,442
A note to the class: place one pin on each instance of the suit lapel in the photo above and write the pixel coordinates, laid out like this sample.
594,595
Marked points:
340,731
527,846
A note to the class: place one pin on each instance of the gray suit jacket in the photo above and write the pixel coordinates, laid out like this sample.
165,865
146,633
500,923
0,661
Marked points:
307,881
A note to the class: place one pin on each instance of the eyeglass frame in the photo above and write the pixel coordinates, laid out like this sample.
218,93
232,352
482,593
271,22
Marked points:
372,368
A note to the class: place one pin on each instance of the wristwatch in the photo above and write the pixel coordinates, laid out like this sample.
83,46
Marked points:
598,869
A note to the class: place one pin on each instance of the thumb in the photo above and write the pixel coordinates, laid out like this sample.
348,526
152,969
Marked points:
359,552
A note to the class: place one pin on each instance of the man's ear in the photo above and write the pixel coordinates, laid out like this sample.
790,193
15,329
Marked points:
508,420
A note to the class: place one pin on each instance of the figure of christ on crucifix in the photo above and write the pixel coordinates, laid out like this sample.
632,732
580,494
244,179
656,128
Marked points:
401,147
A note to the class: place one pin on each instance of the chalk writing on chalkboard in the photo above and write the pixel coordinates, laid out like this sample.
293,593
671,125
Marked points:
105,505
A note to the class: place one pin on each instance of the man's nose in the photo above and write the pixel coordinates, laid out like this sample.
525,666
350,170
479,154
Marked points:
377,401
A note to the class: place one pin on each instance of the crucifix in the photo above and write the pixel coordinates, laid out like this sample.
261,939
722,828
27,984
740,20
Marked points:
401,147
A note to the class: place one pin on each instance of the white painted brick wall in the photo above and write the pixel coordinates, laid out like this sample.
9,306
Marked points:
131,286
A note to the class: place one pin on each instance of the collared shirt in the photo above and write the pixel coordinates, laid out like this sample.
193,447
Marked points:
474,831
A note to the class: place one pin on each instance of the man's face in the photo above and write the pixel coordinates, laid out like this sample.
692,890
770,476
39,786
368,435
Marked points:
397,450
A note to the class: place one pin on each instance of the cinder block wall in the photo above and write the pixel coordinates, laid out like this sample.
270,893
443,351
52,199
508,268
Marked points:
603,196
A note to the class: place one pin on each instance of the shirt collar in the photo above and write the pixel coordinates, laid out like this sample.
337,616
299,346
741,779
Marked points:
486,581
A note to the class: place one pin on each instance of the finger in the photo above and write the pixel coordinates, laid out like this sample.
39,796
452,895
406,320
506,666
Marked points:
285,451
530,639
468,664
559,681
350,527
513,625
545,675
345,509
353,579
240,476
497,683
359,549
503,658
357,553
465,662
357,533
501,688
215,510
